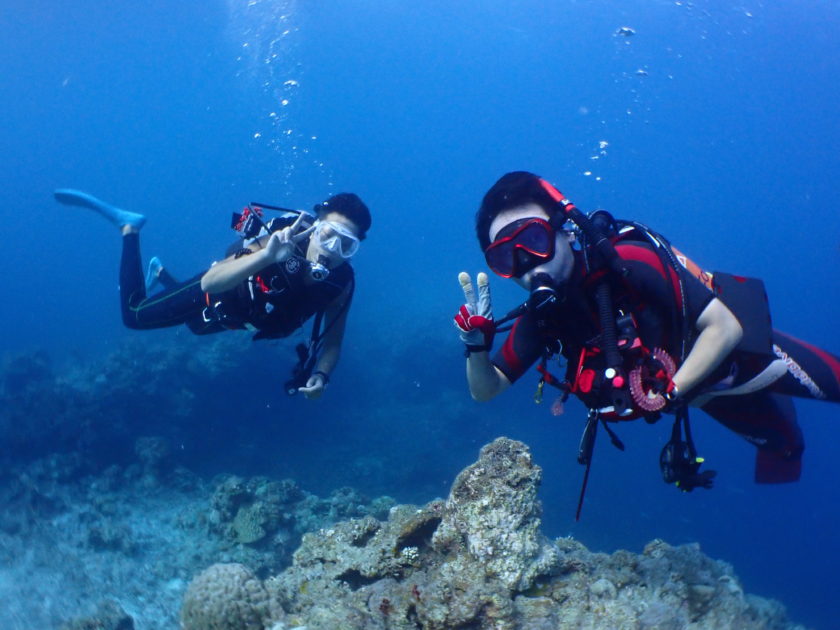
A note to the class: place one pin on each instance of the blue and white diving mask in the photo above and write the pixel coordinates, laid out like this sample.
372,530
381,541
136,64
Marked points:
335,238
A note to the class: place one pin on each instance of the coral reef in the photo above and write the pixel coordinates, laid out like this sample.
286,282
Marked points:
109,615
227,597
24,372
91,407
69,537
155,456
263,520
103,483
478,561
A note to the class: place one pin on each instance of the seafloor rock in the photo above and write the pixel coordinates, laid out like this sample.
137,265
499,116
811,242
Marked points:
270,514
478,561
155,456
109,615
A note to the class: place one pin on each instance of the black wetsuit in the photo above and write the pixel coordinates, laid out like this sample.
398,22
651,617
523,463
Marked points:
651,293
275,302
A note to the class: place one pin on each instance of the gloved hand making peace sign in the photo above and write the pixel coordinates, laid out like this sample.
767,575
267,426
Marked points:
474,319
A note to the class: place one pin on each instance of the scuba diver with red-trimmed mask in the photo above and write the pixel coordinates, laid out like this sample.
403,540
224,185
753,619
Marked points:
642,331
278,274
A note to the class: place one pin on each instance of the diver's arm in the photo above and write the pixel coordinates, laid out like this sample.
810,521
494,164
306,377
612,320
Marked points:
485,379
275,248
226,274
720,332
331,350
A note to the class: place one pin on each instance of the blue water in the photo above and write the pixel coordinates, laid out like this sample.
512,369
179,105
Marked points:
715,122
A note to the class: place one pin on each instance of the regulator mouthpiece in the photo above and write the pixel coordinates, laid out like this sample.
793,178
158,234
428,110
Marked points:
545,296
319,271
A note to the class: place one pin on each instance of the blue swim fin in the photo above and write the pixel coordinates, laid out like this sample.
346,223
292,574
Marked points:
115,215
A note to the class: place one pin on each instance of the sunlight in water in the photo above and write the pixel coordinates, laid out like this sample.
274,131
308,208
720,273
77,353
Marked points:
267,34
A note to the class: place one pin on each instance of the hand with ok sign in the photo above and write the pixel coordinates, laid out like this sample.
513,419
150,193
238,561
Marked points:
281,244
474,319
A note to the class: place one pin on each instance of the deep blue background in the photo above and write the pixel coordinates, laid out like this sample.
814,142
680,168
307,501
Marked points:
727,143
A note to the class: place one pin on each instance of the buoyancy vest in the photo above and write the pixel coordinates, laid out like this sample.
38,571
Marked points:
642,329
280,298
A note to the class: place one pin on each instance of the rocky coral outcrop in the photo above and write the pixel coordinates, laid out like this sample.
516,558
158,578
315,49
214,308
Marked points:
493,510
479,561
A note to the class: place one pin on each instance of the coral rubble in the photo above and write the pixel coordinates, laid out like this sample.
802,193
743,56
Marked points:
135,535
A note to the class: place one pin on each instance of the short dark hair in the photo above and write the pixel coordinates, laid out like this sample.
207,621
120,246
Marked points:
350,206
513,189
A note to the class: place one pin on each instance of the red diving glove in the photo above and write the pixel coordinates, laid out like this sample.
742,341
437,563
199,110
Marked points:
474,320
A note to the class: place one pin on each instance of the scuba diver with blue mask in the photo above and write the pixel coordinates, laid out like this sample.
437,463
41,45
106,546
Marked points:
642,330
278,274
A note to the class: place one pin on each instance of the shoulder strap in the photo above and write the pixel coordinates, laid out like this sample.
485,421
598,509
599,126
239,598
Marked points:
308,353
662,248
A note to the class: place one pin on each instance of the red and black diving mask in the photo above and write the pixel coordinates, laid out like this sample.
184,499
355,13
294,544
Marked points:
521,246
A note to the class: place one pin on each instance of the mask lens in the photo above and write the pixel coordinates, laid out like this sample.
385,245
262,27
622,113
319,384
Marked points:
500,259
520,247
336,238
536,239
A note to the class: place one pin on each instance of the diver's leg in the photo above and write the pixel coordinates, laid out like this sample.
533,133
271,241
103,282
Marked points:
166,279
175,305
132,283
811,372
769,422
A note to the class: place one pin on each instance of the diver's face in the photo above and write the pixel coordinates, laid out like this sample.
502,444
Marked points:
559,266
319,249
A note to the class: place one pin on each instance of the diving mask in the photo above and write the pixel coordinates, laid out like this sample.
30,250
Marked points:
521,246
335,238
